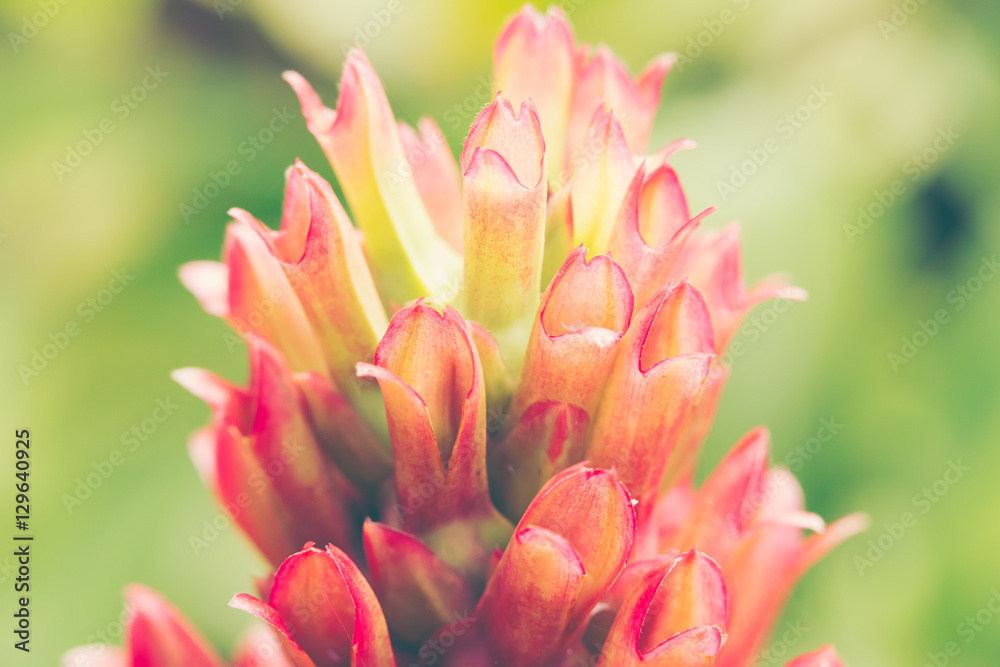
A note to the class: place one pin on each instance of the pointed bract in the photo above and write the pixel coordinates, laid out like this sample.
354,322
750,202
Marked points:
420,593
651,229
361,140
533,59
268,468
432,383
602,80
602,168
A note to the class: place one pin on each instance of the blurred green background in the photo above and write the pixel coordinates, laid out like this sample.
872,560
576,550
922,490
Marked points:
899,76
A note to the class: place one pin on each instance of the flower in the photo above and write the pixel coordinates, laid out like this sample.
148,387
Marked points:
487,400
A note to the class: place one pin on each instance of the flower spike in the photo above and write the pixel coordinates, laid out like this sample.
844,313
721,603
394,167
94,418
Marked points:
503,476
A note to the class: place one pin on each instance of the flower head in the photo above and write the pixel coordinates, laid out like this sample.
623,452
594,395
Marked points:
487,400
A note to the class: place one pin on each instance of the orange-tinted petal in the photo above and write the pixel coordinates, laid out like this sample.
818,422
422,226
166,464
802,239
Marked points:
323,606
693,594
712,263
729,499
763,570
529,602
503,167
696,646
432,383
662,363
270,615
583,315
270,472
593,511
651,229
322,257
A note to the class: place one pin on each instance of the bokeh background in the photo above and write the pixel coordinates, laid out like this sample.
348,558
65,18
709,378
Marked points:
899,75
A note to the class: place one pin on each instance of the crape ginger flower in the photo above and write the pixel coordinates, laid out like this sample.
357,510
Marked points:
483,391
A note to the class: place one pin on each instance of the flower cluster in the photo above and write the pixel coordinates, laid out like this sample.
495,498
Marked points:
485,392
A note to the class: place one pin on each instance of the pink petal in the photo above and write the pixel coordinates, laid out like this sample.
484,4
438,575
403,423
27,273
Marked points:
159,636
437,177
533,59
